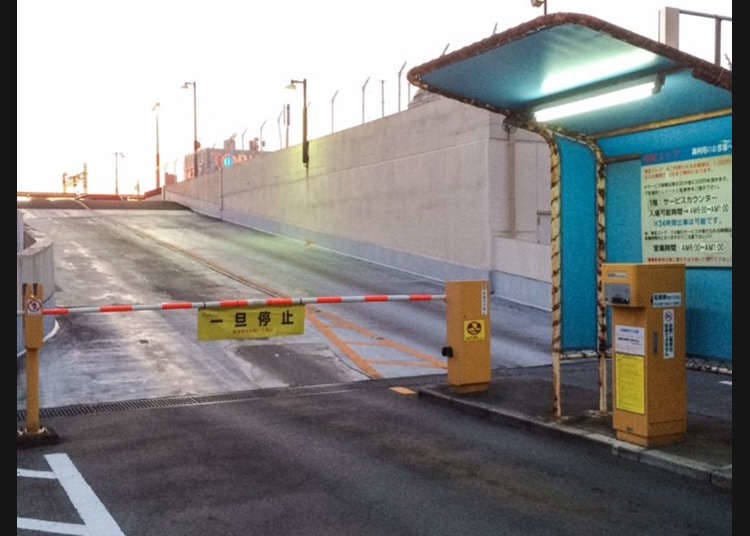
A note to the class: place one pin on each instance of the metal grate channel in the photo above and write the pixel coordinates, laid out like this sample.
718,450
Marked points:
125,405
168,402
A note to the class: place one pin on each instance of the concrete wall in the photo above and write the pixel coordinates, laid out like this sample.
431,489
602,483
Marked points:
35,264
438,189
19,231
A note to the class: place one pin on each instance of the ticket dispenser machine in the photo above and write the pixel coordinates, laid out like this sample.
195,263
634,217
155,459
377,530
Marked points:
649,375
468,334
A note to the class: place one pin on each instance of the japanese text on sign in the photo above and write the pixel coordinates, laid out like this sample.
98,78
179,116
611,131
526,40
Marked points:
686,206
250,323
630,386
630,340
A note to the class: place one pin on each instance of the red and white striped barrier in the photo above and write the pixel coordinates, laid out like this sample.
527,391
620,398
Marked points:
252,302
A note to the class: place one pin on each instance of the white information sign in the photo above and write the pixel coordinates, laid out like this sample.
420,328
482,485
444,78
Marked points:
666,299
630,340
686,205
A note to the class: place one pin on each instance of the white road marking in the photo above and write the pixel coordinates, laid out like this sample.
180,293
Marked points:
725,382
29,473
52,526
97,520
92,511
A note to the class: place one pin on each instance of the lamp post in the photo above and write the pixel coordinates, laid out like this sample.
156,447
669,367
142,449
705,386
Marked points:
278,125
537,3
332,100
195,126
363,99
260,137
305,147
117,175
155,108
287,121
401,70
382,98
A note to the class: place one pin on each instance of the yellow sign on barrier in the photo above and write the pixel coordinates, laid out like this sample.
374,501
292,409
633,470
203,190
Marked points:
474,330
250,322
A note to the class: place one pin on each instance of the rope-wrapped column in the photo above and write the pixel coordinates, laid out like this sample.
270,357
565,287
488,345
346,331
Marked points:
556,258
555,249
601,258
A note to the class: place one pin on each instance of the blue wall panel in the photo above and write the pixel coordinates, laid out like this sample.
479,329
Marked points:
623,212
578,249
709,290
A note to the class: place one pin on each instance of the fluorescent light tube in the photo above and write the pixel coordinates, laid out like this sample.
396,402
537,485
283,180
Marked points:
597,102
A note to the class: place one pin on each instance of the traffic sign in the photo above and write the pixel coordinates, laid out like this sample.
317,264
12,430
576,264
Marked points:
250,322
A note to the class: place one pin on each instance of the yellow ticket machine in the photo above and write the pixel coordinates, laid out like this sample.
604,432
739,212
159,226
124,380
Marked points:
649,375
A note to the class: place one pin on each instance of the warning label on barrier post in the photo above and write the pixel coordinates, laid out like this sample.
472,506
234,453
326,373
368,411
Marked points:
250,322
474,330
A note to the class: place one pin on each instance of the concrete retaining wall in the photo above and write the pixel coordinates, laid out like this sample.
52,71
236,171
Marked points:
440,189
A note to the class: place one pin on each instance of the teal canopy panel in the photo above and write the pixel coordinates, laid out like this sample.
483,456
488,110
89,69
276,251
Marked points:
578,246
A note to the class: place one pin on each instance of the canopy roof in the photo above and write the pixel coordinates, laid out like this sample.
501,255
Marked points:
564,56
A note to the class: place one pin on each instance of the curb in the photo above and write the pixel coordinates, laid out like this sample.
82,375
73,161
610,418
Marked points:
720,477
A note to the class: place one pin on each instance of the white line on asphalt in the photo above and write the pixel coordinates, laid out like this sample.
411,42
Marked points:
51,526
725,382
29,473
96,517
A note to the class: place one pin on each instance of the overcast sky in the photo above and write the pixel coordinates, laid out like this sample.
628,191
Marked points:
89,72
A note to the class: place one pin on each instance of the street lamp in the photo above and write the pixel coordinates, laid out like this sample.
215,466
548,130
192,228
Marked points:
382,98
287,121
363,99
260,137
537,3
401,70
117,176
278,125
155,108
305,148
333,99
195,127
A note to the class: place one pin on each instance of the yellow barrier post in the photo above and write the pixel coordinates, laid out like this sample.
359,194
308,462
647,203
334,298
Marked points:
468,333
33,323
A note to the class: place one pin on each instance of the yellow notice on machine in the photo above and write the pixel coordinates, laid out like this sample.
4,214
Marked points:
630,384
250,322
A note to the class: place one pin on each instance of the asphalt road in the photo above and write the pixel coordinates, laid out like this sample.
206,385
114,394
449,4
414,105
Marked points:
350,459
134,256
164,435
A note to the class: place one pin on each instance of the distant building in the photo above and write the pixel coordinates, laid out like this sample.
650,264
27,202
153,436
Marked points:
212,159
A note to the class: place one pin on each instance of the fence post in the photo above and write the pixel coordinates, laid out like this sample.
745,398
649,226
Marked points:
33,324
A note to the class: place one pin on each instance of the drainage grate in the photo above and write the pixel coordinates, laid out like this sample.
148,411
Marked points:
173,402
126,405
